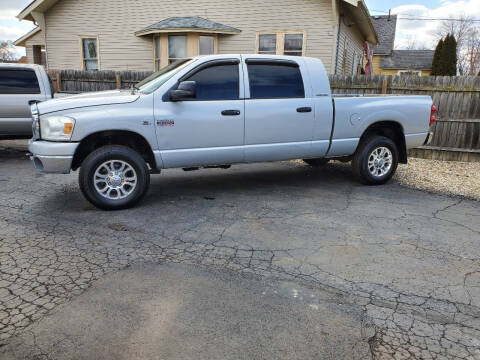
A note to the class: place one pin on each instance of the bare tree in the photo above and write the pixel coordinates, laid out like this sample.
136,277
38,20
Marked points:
6,52
411,43
472,51
466,32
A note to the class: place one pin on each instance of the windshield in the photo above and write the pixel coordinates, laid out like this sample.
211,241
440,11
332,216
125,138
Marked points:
154,81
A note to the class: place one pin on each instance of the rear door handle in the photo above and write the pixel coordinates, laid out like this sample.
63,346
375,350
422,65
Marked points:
304,109
230,112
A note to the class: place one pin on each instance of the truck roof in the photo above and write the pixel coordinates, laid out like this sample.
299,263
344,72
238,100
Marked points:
19,65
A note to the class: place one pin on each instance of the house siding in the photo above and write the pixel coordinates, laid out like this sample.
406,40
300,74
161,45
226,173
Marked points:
350,43
120,49
37,39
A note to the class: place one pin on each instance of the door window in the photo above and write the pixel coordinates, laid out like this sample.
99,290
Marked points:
18,82
217,82
275,81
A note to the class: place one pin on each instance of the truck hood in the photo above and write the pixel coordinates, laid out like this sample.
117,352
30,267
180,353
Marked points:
87,99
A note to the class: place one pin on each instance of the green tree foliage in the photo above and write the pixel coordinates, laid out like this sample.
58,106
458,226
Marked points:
437,59
445,57
450,55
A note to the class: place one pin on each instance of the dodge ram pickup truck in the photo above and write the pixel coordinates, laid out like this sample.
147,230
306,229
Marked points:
220,110
20,85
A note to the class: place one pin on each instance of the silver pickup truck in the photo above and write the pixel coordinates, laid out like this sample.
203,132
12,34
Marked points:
220,110
20,85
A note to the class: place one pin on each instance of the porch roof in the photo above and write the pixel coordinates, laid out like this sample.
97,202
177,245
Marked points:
187,24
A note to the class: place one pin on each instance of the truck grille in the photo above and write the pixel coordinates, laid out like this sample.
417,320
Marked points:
35,122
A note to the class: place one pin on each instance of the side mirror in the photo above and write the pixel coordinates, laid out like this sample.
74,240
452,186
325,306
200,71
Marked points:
185,90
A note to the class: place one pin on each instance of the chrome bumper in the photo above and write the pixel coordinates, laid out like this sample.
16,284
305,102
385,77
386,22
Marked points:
52,157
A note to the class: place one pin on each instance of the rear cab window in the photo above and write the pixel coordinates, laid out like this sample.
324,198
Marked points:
275,79
18,81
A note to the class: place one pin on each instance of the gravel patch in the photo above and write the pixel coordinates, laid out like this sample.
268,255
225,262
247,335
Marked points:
445,177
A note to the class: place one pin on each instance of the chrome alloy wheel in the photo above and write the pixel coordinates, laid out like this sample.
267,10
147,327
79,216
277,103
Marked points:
115,179
380,161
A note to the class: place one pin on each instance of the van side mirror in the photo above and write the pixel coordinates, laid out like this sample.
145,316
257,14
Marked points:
185,90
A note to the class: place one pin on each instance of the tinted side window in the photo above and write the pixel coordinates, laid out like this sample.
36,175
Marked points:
18,82
218,82
275,81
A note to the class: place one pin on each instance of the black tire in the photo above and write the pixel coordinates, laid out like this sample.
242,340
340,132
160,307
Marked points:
119,153
361,159
316,162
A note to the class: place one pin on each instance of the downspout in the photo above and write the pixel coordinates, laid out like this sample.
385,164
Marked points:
338,42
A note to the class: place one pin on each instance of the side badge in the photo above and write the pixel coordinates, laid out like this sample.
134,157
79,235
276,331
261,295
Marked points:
166,122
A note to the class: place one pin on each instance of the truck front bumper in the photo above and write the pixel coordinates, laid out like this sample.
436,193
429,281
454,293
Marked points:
52,157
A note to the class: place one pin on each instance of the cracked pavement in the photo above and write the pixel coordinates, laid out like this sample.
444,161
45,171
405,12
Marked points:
407,260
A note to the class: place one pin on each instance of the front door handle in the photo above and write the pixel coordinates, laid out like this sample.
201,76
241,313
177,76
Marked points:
231,112
304,109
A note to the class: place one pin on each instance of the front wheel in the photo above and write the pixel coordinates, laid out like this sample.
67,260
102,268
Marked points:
376,160
114,177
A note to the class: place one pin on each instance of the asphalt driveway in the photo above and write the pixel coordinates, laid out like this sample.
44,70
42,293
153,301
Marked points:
399,267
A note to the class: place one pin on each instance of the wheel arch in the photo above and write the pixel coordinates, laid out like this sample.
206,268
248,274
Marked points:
127,138
391,129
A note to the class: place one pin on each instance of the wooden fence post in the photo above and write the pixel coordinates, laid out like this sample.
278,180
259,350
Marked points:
59,81
384,86
118,78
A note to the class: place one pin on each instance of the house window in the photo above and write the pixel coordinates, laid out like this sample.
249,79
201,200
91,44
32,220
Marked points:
293,44
157,53
90,53
206,45
267,44
177,47
282,43
409,73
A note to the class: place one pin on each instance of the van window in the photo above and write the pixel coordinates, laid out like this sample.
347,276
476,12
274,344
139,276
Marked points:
18,81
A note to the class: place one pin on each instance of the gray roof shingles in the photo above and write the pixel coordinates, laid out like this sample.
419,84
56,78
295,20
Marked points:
189,22
385,26
408,59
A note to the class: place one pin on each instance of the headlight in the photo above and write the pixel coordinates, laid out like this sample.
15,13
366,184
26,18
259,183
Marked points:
56,128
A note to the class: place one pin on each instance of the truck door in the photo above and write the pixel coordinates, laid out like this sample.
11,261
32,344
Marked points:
279,113
209,128
17,87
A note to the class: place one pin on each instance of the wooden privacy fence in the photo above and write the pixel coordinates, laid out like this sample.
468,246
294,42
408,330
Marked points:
456,131
87,81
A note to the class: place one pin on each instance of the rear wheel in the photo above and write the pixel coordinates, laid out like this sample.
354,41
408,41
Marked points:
114,177
376,160
316,162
